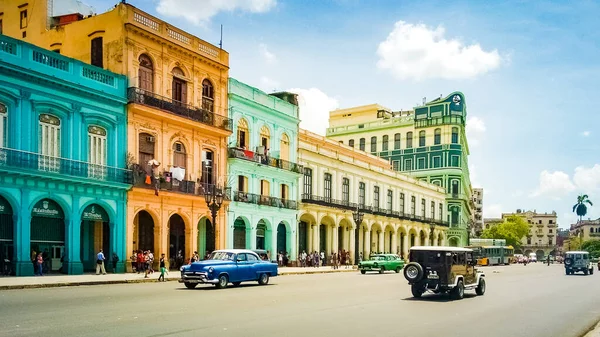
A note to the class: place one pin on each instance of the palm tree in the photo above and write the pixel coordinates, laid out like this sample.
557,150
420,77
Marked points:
580,208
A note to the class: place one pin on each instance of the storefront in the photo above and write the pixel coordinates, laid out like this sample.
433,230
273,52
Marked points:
48,234
6,237
95,235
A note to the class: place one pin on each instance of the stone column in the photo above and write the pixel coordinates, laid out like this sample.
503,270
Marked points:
381,237
22,237
394,248
405,248
309,238
73,241
316,238
367,245
352,244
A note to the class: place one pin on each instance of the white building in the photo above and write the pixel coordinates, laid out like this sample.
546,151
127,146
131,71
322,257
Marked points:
478,222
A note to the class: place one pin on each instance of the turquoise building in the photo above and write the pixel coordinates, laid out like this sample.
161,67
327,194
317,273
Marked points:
62,157
262,170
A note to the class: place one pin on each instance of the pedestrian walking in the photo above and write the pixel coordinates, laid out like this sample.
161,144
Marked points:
40,264
548,259
163,269
115,259
100,263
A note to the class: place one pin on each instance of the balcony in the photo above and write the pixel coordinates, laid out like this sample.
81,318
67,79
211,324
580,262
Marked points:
264,200
248,155
174,185
141,96
445,120
351,206
27,162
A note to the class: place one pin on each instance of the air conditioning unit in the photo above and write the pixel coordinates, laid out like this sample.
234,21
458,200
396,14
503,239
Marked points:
150,139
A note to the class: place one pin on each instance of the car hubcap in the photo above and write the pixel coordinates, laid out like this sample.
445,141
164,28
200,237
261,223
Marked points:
223,281
483,287
264,278
412,272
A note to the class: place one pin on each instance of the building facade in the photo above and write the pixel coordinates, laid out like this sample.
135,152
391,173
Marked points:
428,143
262,170
399,211
62,192
543,232
178,123
586,229
478,223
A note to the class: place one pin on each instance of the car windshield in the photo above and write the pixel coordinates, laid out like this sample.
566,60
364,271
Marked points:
224,256
378,258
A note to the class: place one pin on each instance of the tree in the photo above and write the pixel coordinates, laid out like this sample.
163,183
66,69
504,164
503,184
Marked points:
580,208
592,246
513,230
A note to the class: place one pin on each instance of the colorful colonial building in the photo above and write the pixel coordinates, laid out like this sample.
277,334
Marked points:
63,176
428,143
177,113
262,170
339,180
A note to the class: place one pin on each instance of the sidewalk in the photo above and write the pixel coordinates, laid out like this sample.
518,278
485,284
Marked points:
50,281
595,332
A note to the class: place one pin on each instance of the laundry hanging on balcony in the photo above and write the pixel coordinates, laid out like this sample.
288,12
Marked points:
178,173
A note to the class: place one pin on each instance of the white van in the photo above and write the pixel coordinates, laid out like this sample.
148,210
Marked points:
532,257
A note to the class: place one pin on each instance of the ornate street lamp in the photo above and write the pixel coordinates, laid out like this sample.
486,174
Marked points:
214,200
358,218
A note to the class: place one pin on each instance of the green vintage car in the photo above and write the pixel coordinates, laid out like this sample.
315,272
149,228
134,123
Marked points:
381,263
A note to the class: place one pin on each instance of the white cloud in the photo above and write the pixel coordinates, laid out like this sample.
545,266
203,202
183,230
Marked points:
555,185
474,176
492,211
314,109
419,52
266,54
475,130
586,133
200,12
268,84
587,179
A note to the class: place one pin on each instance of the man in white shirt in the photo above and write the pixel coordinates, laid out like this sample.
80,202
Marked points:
100,263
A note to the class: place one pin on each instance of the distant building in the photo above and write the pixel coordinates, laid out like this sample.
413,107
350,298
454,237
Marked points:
586,229
478,221
562,240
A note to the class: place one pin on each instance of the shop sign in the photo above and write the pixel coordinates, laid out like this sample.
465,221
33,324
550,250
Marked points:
94,213
47,209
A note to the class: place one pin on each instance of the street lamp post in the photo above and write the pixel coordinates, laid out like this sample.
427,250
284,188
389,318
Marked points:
214,200
358,218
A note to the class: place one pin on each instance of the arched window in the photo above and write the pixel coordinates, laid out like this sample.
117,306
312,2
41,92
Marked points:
179,155
265,137
409,140
397,141
373,144
384,143
351,143
243,134
284,147
179,86
146,73
454,135
421,138
3,126
146,150
437,137
49,142
361,144
208,96
96,145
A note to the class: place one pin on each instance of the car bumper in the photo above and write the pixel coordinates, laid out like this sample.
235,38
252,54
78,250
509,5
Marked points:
369,268
196,277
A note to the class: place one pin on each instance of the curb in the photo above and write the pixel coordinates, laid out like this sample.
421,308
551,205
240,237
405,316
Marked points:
149,280
594,331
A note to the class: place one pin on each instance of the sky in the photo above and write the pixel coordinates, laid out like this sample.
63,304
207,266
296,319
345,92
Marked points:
529,71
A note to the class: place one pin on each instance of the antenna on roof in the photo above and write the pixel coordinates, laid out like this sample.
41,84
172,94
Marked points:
424,100
221,41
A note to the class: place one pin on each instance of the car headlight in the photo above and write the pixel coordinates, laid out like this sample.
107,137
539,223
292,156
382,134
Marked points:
211,269
181,268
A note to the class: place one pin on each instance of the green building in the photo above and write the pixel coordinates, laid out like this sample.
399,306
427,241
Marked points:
428,142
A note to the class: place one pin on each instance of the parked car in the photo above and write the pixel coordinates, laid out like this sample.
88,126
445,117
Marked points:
576,261
443,270
381,263
228,266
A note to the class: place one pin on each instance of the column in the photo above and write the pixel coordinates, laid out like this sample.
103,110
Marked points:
119,238
394,248
405,244
22,237
426,243
352,244
381,237
309,238
316,235
367,245
72,240
251,237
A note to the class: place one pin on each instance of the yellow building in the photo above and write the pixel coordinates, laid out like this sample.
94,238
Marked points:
177,115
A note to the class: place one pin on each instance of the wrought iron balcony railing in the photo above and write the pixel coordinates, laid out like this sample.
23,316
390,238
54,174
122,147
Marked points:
456,120
264,200
23,161
141,96
351,206
235,152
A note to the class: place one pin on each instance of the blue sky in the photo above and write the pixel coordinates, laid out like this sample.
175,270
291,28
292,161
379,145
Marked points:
529,70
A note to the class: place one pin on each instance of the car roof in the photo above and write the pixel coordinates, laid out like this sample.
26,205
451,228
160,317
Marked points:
441,249
235,251
577,252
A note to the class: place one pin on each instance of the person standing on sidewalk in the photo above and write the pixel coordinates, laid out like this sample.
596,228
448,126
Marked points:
115,259
40,264
163,269
100,263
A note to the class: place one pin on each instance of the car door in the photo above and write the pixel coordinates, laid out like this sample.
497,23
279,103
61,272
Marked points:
243,268
253,264
470,269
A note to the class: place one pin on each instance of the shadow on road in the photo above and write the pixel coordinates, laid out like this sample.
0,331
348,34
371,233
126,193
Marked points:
442,298
210,287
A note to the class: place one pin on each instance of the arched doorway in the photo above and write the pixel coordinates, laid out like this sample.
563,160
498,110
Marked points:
340,235
6,236
540,254
48,233
453,242
239,234
422,238
144,227
95,235
206,237
176,240
282,238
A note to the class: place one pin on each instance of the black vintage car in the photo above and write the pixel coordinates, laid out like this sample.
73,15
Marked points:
443,270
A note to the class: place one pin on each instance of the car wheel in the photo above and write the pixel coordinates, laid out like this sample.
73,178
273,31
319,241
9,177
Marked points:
190,285
381,270
363,272
417,290
480,290
586,272
263,279
413,272
236,284
567,272
398,270
222,284
568,261
459,291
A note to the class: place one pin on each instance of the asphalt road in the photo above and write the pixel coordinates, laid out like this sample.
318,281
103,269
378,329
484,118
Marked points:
535,300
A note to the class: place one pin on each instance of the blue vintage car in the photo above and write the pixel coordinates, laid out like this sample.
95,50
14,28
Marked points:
228,266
